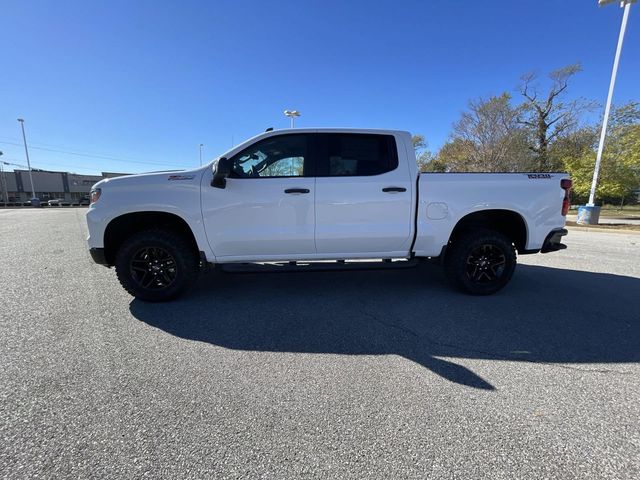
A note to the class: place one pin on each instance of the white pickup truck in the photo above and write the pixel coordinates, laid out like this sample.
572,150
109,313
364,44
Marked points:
309,195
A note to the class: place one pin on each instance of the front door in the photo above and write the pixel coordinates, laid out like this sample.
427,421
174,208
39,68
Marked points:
267,210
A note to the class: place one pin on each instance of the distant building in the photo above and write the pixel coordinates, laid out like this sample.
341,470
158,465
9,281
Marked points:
16,186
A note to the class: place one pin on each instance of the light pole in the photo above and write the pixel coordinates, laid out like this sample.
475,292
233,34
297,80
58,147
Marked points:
590,214
26,151
201,145
292,114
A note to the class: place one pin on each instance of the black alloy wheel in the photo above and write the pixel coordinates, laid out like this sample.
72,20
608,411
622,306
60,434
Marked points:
153,268
480,262
157,265
485,264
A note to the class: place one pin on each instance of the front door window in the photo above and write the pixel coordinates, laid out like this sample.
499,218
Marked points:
281,156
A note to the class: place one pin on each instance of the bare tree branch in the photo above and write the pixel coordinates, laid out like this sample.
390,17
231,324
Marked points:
548,118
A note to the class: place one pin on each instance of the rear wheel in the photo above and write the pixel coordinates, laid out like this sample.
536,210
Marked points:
156,265
480,262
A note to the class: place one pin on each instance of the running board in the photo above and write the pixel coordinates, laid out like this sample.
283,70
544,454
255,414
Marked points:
318,266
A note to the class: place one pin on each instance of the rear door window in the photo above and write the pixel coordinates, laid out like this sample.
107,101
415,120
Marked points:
353,154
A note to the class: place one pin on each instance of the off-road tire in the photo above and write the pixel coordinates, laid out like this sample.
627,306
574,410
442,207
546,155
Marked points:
160,254
480,253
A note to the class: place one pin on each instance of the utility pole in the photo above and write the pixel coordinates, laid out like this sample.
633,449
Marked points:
201,145
26,151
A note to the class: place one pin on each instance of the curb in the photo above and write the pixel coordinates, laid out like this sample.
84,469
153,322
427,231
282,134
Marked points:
601,230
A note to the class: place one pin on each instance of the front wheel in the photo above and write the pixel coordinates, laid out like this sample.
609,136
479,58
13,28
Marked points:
480,262
156,265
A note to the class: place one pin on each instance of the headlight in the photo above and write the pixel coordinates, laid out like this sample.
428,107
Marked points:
95,195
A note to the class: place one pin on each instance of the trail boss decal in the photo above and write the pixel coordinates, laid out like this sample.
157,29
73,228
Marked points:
181,177
538,175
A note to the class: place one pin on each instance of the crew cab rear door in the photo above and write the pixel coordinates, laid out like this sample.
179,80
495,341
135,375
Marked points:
363,196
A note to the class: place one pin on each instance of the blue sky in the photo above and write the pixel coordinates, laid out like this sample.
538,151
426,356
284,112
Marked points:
145,82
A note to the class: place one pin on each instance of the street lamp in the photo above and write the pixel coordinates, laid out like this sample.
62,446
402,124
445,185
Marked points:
292,114
589,214
26,151
201,145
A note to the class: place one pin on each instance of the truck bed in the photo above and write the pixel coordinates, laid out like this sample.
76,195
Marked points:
446,198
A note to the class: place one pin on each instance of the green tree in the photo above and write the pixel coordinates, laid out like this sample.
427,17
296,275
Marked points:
620,168
435,165
456,155
424,156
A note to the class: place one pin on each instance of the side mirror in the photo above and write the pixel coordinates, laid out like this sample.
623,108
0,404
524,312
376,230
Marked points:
223,169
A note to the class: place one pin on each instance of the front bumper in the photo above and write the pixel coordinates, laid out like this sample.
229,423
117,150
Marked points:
553,241
98,256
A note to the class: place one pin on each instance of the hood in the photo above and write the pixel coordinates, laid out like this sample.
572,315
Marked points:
152,178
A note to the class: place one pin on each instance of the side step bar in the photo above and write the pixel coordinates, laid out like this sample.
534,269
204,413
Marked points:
318,266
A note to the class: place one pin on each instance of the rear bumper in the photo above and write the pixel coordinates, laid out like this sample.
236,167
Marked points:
97,254
553,241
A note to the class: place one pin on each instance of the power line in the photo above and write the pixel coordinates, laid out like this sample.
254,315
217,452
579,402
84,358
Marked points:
90,155
75,151
46,164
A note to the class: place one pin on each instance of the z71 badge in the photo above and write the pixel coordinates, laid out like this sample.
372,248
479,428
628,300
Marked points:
181,177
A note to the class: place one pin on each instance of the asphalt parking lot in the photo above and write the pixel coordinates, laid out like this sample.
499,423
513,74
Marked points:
376,374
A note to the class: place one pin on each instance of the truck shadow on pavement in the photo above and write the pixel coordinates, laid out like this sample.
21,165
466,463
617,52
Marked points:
545,315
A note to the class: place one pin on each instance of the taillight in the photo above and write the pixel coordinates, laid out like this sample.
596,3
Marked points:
95,195
566,185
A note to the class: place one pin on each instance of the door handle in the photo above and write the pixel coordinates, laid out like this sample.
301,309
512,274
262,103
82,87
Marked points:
394,189
296,190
